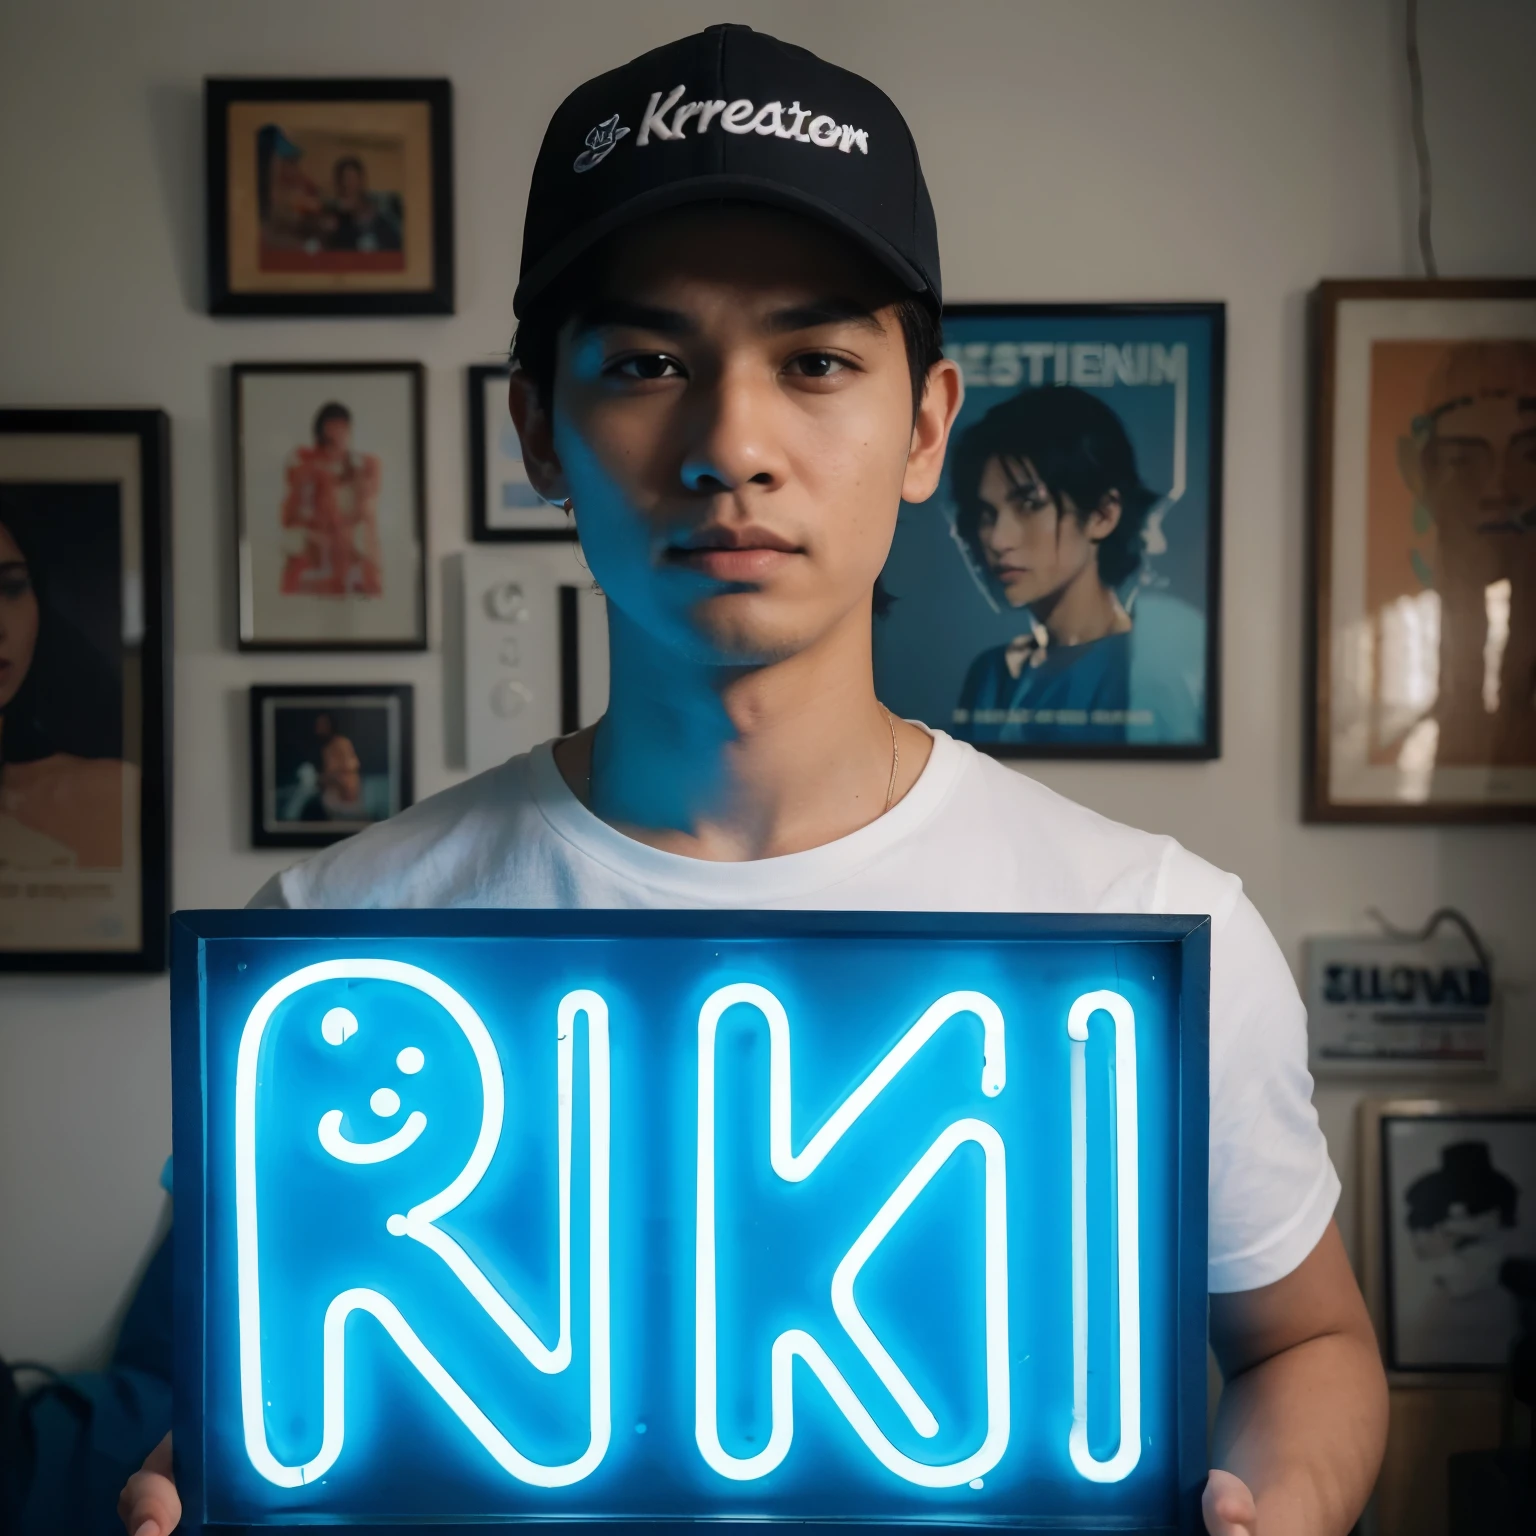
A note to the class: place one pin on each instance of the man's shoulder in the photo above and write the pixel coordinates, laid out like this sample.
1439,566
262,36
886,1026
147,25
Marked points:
455,848
1088,860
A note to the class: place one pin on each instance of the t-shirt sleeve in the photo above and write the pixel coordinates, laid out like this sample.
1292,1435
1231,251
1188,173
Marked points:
1273,1188
269,896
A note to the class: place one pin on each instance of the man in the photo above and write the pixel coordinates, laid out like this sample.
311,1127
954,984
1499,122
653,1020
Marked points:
728,367
1471,461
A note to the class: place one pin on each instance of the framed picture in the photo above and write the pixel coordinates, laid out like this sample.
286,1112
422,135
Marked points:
1424,553
85,661
328,761
1060,595
330,506
503,506
329,197
1448,1209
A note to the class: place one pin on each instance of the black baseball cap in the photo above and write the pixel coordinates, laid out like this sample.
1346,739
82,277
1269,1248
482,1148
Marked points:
729,113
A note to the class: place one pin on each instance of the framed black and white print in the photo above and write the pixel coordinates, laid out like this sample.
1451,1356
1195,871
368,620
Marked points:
328,761
503,505
330,506
1060,595
1449,1226
329,197
85,658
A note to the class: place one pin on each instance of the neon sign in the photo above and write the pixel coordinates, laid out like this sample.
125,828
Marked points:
680,1216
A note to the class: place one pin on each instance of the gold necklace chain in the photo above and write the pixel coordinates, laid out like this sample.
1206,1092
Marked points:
890,793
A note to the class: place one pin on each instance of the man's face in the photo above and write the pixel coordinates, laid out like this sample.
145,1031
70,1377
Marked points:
18,618
349,184
335,436
735,429
1477,470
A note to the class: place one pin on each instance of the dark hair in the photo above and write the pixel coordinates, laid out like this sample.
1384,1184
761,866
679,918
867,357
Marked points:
1466,1177
1078,448
331,411
71,699
348,162
534,347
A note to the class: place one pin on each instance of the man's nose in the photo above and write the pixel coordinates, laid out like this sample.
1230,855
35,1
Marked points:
736,442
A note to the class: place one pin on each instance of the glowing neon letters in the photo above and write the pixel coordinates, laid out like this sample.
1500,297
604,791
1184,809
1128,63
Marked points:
470,1290
419,1224
794,1167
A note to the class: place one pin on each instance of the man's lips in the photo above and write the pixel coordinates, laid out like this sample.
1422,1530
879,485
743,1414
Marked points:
733,554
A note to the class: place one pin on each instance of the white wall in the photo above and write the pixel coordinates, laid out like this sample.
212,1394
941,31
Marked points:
1077,149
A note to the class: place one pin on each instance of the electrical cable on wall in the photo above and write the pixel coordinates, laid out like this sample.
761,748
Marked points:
1420,141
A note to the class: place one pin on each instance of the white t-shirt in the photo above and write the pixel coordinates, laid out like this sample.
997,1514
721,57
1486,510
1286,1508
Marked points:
970,836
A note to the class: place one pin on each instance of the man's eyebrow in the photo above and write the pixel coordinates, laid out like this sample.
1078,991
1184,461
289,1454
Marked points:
828,311
639,317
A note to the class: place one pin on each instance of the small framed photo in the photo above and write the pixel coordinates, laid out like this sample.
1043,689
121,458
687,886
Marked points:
503,505
85,662
329,197
1423,553
1448,1208
330,506
1060,595
328,761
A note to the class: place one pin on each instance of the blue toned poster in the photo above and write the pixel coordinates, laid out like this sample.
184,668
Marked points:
1058,596
681,1216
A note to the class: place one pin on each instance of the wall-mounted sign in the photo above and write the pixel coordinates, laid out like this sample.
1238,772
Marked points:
1388,1006
543,1217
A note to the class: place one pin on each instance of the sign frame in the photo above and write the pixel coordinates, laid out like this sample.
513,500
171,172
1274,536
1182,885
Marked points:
193,930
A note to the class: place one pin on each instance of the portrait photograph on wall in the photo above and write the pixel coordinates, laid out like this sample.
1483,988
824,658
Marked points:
503,505
329,197
328,761
1424,552
1452,1190
330,505
84,697
1059,595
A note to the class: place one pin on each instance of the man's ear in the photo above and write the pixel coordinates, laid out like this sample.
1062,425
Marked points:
536,432
1105,517
943,395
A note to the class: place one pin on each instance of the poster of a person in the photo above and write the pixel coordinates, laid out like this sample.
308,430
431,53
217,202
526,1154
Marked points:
330,505
1059,595
1460,1203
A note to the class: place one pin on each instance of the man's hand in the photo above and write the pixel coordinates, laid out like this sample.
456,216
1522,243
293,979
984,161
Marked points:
1228,1506
149,1504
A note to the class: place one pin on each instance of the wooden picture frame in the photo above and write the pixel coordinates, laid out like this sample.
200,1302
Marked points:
87,889
357,741
1398,728
1463,1118
330,535
329,196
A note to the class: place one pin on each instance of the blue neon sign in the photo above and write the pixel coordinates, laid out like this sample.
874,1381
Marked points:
678,1216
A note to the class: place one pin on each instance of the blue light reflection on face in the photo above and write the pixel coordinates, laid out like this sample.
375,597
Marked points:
324,1227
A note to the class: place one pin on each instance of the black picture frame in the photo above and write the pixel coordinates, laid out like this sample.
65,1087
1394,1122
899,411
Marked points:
267,830
248,639
1204,318
150,430
227,296
481,528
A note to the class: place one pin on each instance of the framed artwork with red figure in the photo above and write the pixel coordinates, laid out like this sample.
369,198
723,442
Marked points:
329,501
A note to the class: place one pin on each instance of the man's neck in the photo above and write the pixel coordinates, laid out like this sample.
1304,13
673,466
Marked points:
728,764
